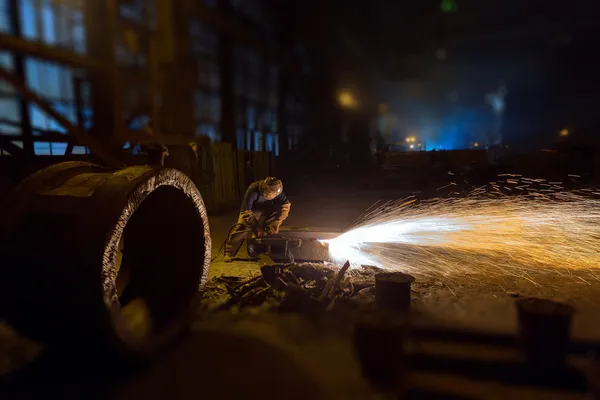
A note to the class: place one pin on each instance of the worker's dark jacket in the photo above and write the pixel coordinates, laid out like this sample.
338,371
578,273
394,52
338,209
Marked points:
255,201
254,204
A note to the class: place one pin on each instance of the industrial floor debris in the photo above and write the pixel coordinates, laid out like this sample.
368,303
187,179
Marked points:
289,288
462,343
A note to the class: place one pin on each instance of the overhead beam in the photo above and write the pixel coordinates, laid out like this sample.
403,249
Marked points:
79,134
50,53
10,147
130,136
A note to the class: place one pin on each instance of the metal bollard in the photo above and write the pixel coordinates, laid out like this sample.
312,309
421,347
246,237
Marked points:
544,327
392,291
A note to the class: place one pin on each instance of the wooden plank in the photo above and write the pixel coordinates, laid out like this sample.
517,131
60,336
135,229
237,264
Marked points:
224,173
206,180
241,172
229,176
218,159
217,183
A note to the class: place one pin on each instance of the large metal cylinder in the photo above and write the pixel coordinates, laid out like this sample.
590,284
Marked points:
104,259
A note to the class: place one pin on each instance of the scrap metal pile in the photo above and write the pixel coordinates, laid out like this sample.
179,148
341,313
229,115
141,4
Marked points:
463,233
292,287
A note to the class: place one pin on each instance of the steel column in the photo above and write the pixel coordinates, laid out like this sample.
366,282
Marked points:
107,98
19,59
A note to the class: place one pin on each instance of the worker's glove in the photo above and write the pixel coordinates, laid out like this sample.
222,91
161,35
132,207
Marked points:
260,232
285,211
273,228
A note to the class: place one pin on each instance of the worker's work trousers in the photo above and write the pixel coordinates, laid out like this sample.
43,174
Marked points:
242,231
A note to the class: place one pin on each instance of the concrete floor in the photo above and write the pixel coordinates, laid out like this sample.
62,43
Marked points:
478,302
270,354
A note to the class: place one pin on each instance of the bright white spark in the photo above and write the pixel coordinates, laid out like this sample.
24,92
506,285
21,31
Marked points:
515,235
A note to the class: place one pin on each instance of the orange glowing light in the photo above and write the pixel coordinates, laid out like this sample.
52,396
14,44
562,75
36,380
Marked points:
347,100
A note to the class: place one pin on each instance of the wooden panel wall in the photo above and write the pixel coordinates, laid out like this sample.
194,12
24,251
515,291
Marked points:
225,173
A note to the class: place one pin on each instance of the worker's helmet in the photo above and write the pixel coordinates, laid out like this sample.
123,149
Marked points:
271,186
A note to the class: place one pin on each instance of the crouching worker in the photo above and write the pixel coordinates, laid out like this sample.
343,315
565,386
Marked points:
264,209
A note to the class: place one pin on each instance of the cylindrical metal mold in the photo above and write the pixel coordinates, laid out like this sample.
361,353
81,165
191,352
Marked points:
103,258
